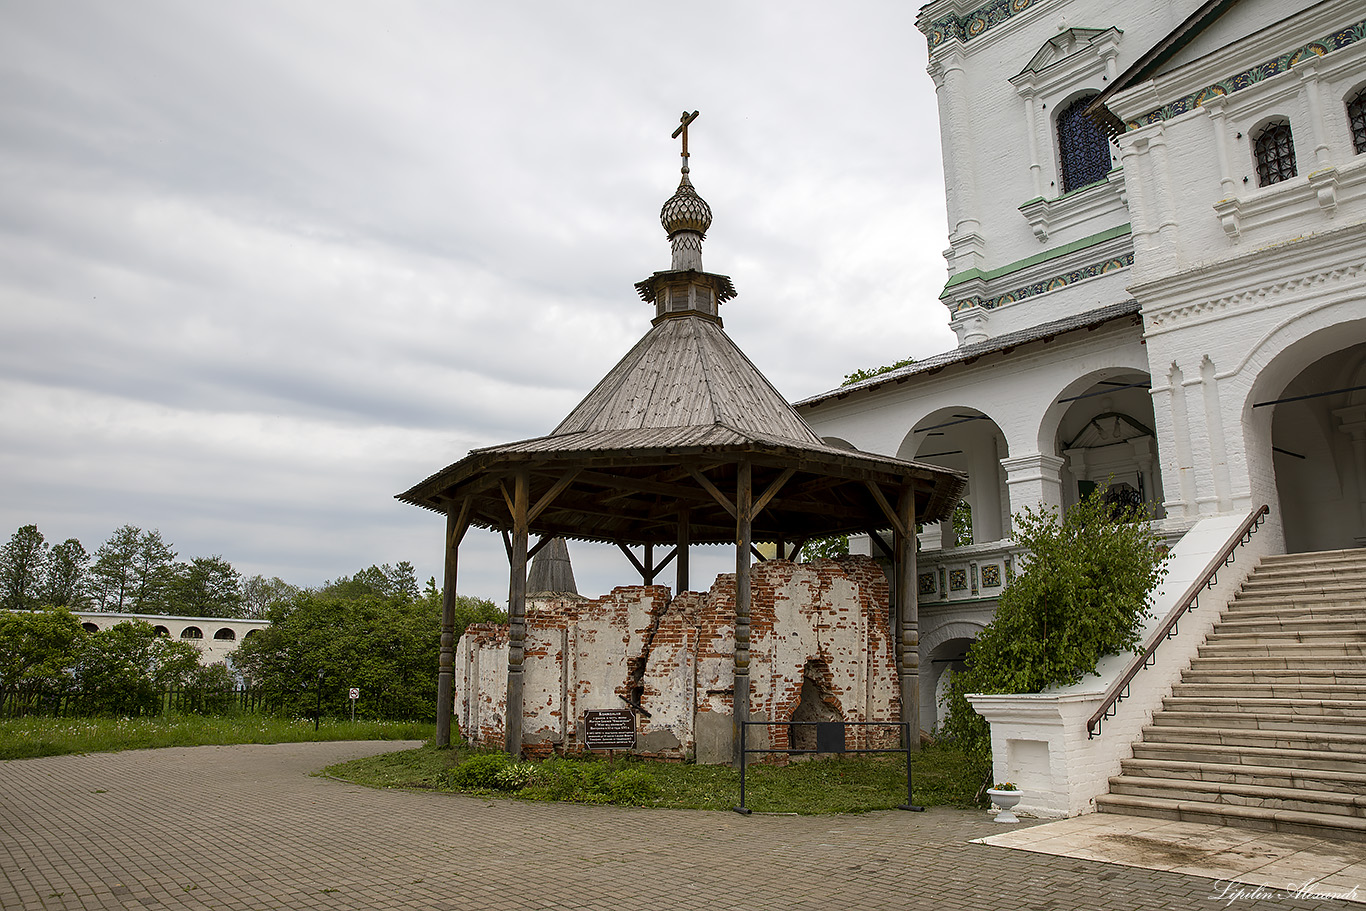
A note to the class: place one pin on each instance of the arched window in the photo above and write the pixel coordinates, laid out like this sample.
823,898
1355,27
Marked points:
1274,150
191,632
162,631
1356,118
1083,149
226,634
90,627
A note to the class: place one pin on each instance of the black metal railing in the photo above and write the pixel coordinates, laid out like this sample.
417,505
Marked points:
1119,690
830,738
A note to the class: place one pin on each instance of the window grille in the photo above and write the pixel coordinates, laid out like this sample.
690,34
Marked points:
1356,117
1274,150
1083,148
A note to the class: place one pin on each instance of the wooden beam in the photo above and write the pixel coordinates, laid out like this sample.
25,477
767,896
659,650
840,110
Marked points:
908,609
744,503
517,614
710,488
640,567
773,489
555,490
887,549
684,539
457,522
886,507
507,498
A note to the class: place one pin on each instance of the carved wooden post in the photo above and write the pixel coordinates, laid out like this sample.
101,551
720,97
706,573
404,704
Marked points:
909,633
744,502
517,613
457,521
684,535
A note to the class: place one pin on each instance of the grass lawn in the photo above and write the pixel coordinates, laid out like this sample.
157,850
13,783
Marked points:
25,738
942,776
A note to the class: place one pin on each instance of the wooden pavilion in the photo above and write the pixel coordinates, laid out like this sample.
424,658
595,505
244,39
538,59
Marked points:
683,442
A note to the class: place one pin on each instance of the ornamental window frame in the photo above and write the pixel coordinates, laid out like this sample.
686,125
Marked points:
1079,149
1273,151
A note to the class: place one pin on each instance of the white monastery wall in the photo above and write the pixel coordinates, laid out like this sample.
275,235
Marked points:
215,637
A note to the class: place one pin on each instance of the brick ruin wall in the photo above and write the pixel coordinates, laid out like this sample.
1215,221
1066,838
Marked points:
823,625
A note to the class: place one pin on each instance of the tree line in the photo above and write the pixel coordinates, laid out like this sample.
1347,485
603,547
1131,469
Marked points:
133,572
376,630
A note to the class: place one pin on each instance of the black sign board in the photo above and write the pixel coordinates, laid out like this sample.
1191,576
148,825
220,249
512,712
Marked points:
609,729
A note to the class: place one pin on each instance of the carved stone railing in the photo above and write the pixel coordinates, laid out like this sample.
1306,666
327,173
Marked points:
1119,689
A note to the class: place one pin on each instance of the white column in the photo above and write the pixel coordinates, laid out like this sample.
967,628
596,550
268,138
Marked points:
1309,76
1034,480
983,467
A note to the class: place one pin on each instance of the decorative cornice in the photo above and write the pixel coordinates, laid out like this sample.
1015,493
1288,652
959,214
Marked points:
1165,319
1045,285
1252,75
976,23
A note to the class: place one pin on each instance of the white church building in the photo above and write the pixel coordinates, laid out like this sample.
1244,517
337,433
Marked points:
1157,276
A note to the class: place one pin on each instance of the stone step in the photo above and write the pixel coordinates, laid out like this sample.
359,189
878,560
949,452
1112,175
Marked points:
1336,803
1272,689
1226,754
1317,558
1288,608
1290,651
1263,721
1352,624
1234,773
1301,707
1304,662
1233,676
1333,742
1296,822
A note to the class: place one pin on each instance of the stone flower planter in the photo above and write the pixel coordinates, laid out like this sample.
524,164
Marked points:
1006,800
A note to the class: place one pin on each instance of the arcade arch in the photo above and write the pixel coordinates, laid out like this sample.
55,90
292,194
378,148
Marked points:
967,440
1103,427
1318,452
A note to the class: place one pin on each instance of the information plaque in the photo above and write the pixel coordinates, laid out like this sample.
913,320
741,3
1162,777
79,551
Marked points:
609,729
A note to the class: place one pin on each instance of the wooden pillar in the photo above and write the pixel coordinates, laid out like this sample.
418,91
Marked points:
649,564
684,535
457,521
517,613
908,634
744,503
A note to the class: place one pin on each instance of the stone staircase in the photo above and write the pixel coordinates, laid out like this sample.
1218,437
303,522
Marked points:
1267,729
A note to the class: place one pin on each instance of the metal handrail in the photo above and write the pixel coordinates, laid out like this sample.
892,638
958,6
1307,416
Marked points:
1119,690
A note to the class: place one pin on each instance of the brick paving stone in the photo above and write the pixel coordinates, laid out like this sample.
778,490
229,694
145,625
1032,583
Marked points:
250,827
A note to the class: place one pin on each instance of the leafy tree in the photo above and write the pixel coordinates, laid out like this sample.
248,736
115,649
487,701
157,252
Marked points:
133,571
66,583
367,630
859,375
123,669
153,573
831,548
260,593
22,562
206,587
1082,595
37,649
113,576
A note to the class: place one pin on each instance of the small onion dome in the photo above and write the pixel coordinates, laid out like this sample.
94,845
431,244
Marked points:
685,210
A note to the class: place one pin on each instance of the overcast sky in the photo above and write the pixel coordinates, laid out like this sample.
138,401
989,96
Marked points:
264,265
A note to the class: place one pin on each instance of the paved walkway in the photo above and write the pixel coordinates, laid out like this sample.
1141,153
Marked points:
248,827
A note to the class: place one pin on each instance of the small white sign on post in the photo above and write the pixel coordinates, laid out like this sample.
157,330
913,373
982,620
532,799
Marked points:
355,694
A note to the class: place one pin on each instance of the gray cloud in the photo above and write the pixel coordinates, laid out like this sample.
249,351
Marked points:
262,266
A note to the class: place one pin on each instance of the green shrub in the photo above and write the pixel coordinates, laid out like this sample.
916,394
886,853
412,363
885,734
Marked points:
1082,595
632,786
479,772
514,776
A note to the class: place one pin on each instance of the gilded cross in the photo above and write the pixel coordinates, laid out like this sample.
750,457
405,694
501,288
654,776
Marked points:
682,130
